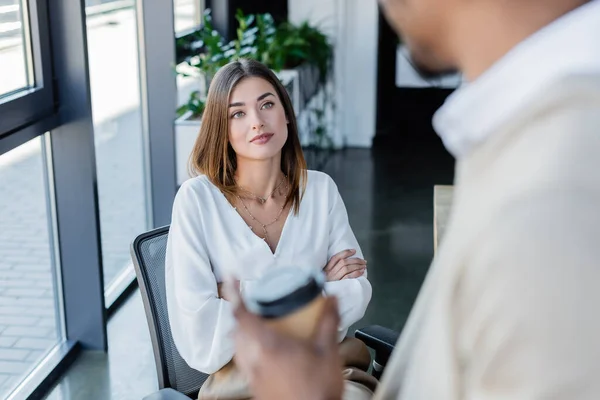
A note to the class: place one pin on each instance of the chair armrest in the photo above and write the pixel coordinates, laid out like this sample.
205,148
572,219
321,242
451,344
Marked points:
380,339
167,394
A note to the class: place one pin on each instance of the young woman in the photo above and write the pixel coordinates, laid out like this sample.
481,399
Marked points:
253,207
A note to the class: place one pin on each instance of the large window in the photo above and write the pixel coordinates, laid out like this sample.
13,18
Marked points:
188,14
118,133
84,110
49,267
30,318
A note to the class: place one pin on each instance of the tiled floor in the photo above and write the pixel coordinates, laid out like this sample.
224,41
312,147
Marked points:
126,372
389,197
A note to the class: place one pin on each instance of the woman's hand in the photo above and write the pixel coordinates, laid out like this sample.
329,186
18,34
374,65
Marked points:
341,266
222,293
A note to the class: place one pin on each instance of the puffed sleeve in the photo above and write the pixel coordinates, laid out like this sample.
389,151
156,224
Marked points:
353,294
201,322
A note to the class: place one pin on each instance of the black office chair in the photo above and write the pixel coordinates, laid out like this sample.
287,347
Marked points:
176,379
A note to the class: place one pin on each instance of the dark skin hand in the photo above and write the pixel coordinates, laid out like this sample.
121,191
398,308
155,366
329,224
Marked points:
280,367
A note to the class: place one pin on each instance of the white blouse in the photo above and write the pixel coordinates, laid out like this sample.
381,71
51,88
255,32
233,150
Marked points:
208,239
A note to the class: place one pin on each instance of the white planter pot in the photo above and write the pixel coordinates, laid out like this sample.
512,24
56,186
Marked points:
290,80
301,84
186,132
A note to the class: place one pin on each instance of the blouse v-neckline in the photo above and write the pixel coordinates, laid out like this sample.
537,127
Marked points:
241,220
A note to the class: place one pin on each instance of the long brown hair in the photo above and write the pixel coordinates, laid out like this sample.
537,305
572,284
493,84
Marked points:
213,155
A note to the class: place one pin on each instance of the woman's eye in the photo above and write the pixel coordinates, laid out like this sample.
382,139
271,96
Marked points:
238,114
268,104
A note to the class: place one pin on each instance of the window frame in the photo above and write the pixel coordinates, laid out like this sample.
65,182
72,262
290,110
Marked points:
27,106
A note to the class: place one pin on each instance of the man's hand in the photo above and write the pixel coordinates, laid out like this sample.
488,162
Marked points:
341,266
280,367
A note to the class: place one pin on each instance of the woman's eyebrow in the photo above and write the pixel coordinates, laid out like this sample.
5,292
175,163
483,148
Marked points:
262,96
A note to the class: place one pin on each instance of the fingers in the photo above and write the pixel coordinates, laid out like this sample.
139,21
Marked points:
348,274
343,270
326,335
355,266
249,343
252,337
255,342
338,257
250,326
355,274
230,290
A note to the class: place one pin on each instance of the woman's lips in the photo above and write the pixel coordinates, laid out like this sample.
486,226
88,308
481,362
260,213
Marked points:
262,138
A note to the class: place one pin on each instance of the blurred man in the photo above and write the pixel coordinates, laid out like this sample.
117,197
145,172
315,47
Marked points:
509,309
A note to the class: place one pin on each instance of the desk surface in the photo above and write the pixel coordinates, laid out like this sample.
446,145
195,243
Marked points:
442,202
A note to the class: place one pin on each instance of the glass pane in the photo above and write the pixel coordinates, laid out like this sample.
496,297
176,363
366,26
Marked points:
188,14
115,88
13,49
28,294
89,3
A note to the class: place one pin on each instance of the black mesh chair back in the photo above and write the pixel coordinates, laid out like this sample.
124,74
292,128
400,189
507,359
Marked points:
148,254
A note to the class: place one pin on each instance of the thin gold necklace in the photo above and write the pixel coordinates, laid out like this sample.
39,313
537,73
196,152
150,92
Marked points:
264,226
263,200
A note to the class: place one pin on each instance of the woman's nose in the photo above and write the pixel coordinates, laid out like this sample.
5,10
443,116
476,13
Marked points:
257,125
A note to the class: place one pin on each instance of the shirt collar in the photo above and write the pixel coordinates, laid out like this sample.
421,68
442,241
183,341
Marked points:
567,46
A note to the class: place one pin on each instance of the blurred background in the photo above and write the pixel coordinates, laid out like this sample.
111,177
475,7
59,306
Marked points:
100,102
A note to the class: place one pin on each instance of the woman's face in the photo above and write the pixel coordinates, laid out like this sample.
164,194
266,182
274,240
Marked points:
257,120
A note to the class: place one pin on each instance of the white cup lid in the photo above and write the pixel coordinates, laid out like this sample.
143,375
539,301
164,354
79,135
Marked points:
283,290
